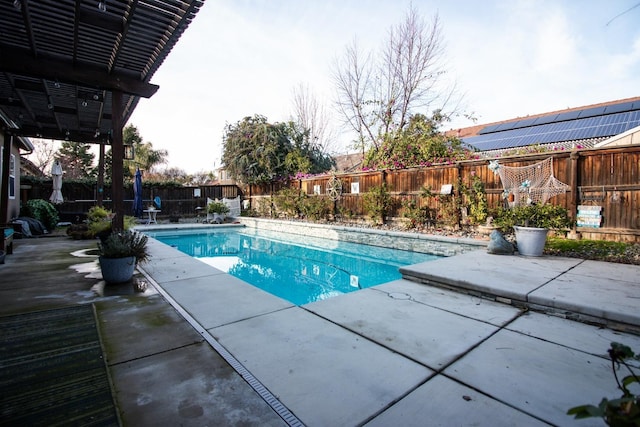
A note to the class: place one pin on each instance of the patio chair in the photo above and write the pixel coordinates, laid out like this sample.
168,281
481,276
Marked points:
8,239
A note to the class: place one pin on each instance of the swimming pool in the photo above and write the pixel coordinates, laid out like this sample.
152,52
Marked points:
300,269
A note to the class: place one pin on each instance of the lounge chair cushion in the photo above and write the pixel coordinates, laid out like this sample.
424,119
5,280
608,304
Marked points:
8,240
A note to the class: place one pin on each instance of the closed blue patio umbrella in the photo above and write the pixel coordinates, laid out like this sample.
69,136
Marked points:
137,194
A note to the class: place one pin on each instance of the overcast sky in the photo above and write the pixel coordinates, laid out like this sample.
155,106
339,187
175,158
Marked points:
509,58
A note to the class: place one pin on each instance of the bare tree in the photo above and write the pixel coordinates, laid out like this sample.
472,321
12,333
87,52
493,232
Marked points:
310,114
43,155
376,98
353,79
411,68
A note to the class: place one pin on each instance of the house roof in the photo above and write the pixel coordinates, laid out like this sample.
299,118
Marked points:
591,123
61,61
348,162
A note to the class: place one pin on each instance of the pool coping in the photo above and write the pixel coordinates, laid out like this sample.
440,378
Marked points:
407,241
235,316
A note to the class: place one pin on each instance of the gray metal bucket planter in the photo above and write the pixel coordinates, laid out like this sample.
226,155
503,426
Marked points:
530,240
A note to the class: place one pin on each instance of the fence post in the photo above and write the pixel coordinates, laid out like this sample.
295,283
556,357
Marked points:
573,183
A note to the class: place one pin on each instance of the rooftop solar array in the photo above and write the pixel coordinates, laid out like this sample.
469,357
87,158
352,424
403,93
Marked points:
595,122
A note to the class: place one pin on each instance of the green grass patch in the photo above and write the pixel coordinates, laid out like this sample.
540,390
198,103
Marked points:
600,246
627,253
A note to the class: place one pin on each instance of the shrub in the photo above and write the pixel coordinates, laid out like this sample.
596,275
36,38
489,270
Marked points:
417,216
449,210
43,211
478,207
264,207
290,201
125,244
217,207
99,221
535,215
377,203
317,207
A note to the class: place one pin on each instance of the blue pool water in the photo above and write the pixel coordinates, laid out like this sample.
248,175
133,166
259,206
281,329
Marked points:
297,268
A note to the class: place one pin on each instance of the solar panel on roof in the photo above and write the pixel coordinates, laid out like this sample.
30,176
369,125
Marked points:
569,115
559,131
618,108
591,112
488,129
546,119
505,126
524,123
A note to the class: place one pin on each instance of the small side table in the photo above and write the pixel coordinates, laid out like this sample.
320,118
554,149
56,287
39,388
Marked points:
152,215
199,210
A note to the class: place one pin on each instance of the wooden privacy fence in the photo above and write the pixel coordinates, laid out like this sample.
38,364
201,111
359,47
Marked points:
175,201
606,179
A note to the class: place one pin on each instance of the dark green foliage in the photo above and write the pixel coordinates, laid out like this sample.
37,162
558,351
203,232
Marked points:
217,207
125,244
145,156
417,216
77,160
535,215
289,201
317,207
420,143
293,203
477,198
99,221
377,203
43,211
256,151
622,412
264,207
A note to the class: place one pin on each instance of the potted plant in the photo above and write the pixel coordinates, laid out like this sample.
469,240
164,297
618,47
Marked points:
531,224
119,254
218,210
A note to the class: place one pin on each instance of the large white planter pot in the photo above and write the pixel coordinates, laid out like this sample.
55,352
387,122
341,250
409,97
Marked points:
218,218
117,270
530,240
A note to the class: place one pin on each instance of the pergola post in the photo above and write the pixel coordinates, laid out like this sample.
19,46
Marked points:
4,191
100,182
117,151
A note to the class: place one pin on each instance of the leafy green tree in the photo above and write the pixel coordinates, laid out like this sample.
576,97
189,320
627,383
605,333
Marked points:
306,156
145,156
256,151
76,160
420,143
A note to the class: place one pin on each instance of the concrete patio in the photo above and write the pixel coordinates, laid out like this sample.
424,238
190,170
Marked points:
199,347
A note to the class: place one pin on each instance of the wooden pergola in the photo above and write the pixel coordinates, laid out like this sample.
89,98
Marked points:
75,70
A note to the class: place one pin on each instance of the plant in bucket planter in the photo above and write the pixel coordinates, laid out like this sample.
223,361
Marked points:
218,210
531,224
119,254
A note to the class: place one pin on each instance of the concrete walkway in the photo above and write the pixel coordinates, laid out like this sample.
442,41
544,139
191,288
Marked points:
402,353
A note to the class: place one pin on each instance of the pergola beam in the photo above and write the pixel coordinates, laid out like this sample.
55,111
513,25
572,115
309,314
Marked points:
21,62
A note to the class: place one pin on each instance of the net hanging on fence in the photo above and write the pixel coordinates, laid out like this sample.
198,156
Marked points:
529,184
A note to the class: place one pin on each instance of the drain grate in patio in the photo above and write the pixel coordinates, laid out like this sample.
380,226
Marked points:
52,371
